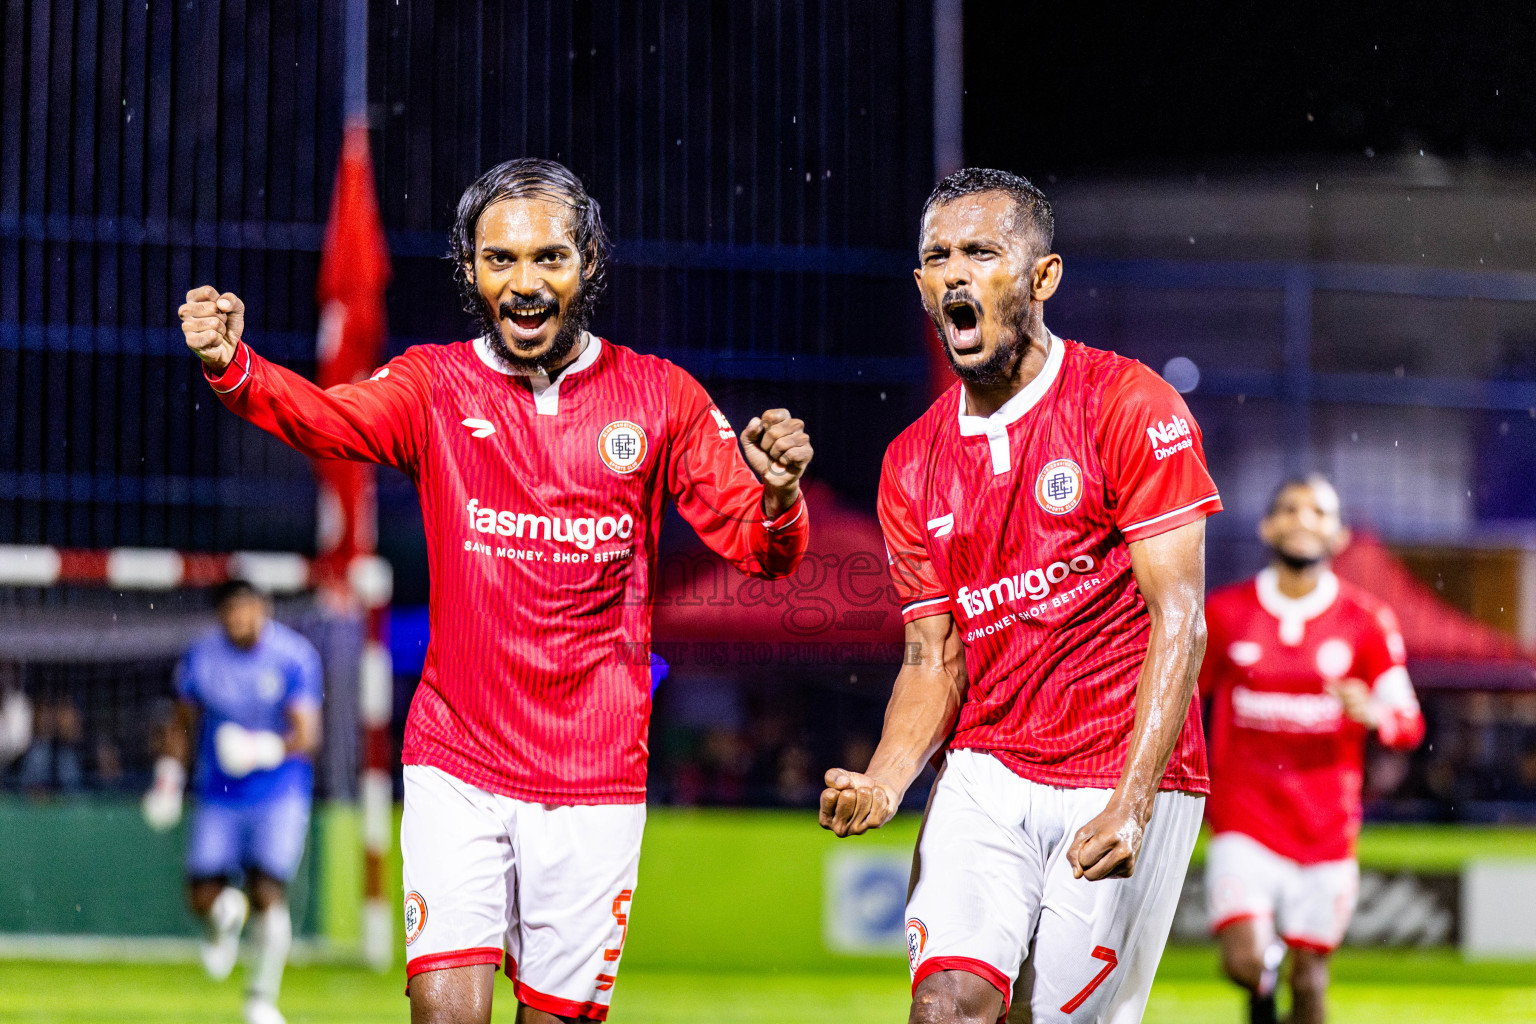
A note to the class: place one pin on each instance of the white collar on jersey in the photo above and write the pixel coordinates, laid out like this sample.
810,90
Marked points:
546,394
995,426
1295,612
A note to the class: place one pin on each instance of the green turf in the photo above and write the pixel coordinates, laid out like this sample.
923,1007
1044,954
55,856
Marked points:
1370,988
1429,848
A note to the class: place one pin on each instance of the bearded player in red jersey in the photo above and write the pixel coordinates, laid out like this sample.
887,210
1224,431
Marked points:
544,457
1302,668
1045,521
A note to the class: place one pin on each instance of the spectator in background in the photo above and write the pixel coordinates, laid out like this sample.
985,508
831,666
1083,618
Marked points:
52,761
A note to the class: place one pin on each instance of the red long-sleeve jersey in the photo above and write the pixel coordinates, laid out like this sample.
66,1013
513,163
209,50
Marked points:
542,503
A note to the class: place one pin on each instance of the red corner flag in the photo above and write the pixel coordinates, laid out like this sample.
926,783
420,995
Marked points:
354,271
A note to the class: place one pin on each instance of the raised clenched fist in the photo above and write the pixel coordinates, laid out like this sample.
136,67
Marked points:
778,449
213,324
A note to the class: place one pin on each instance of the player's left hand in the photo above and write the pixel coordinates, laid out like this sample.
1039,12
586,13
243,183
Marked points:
1108,845
854,803
778,449
241,751
1355,695
162,802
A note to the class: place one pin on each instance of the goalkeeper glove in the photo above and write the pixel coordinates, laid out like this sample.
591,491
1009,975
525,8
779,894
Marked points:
162,804
241,751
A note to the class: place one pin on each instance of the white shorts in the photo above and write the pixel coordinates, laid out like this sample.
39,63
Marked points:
543,888
993,887
1310,904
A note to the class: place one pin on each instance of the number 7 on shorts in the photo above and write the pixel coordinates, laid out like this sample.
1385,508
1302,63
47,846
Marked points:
1099,953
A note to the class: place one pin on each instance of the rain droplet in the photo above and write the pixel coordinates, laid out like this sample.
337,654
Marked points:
1182,374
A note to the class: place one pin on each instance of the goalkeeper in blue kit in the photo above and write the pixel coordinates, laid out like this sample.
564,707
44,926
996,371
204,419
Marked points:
250,692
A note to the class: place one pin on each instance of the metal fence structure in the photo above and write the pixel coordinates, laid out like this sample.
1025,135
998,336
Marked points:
757,163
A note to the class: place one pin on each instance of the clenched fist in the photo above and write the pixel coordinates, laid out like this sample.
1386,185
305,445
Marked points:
1107,847
854,803
213,324
778,449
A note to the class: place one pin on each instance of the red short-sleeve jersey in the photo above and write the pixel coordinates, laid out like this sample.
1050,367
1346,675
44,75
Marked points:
1286,764
1018,525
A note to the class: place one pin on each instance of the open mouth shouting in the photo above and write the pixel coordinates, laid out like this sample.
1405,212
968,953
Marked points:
962,323
526,319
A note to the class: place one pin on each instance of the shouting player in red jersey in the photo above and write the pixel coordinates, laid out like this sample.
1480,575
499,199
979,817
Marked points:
1302,668
544,457
1045,521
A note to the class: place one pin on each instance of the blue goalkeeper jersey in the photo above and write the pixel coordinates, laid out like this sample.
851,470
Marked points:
254,688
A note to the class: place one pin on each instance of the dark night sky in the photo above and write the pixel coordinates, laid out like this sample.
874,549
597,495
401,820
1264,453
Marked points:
1071,88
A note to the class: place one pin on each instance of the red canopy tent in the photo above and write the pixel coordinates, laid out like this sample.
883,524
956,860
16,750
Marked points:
1447,649
838,608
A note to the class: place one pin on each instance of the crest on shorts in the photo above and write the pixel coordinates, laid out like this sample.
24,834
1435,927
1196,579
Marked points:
1059,487
622,445
415,916
917,938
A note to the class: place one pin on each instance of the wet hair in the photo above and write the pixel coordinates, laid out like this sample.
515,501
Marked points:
1032,212
530,178
230,590
1301,480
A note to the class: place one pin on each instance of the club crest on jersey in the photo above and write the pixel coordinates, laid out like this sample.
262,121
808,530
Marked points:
269,685
1059,487
415,916
1334,658
622,445
917,938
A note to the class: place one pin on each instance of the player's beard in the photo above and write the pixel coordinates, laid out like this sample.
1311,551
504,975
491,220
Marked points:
1294,562
573,321
1002,365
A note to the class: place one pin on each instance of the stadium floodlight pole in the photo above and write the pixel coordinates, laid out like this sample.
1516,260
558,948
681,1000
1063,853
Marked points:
948,87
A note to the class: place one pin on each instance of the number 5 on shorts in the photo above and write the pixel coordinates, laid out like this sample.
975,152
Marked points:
605,981
1099,953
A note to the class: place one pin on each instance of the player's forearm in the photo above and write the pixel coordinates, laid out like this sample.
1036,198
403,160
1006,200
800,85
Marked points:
303,736
784,538
918,719
175,738
778,500
1400,729
175,746
1163,695
321,424
734,527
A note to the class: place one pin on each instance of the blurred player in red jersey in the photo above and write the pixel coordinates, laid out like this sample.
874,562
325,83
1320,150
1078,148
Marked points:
1302,668
544,457
1045,521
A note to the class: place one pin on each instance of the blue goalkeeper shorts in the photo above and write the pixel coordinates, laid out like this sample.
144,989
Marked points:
229,838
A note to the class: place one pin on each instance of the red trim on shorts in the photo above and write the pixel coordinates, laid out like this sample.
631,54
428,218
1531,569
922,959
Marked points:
1231,919
452,958
970,965
551,1004
1310,945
